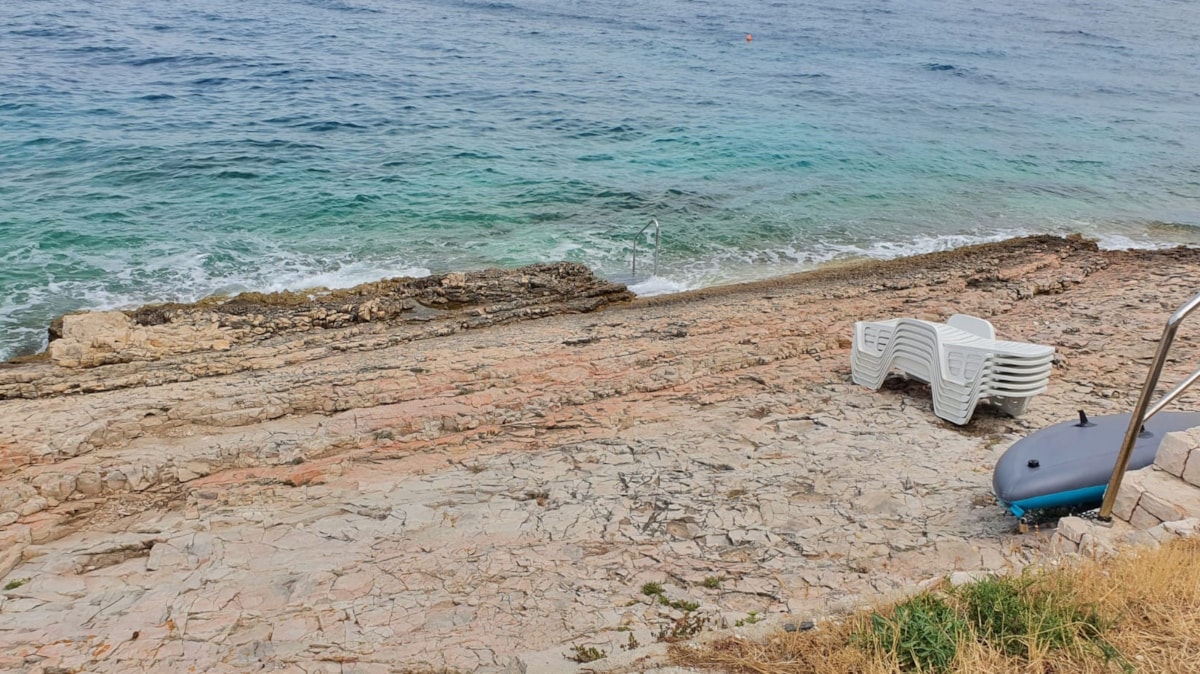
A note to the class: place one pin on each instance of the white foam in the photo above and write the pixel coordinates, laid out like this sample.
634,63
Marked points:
727,266
919,245
345,276
561,251
657,285
158,274
1122,242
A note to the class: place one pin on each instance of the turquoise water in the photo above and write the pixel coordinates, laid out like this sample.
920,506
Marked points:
154,151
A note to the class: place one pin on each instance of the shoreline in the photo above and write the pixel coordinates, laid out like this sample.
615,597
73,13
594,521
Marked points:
490,489
300,299
384,285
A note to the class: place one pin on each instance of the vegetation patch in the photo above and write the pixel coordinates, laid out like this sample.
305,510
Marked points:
678,604
1026,615
582,654
683,628
653,589
751,618
920,634
1142,608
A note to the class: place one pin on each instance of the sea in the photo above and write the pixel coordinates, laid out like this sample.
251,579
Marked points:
168,150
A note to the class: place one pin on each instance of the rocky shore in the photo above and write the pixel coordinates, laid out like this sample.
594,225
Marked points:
482,471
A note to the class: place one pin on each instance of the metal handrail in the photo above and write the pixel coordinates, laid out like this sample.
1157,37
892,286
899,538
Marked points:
1142,410
653,221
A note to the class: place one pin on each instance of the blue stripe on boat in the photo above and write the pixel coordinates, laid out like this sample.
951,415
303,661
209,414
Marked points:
1063,498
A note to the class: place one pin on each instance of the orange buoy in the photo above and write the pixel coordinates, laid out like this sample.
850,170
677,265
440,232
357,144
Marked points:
749,37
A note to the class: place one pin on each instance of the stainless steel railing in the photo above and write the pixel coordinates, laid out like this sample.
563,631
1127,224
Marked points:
653,221
1142,411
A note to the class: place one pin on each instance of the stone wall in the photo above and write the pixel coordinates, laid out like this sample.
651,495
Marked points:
1154,504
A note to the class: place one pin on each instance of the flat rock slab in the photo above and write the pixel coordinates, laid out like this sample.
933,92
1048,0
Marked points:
460,500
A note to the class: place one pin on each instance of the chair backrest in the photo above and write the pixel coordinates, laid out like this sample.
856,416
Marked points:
973,325
874,337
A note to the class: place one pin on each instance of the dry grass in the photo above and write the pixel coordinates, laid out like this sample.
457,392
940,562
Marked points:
1148,602
1155,597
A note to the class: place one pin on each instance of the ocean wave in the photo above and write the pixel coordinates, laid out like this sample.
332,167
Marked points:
176,60
656,285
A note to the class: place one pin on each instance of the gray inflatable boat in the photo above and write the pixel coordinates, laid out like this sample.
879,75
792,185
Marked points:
1069,464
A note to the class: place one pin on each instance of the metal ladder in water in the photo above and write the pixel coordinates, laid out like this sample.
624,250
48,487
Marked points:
1142,411
657,239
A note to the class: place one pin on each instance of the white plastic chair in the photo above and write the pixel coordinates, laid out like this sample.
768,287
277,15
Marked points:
961,361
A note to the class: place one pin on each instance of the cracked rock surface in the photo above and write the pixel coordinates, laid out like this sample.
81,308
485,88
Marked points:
373,497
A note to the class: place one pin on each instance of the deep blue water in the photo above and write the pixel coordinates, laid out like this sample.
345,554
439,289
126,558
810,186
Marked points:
167,150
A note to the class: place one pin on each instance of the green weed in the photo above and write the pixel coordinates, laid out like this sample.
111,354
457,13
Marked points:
686,627
922,633
652,589
750,619
582,654
686,606
632,643
1019,616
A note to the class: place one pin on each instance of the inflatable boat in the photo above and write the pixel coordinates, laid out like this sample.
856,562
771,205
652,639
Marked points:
1082,464
1069,464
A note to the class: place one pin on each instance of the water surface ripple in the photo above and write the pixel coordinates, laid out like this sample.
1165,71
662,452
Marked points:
154,151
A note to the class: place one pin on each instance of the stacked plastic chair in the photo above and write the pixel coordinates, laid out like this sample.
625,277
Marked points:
960,359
